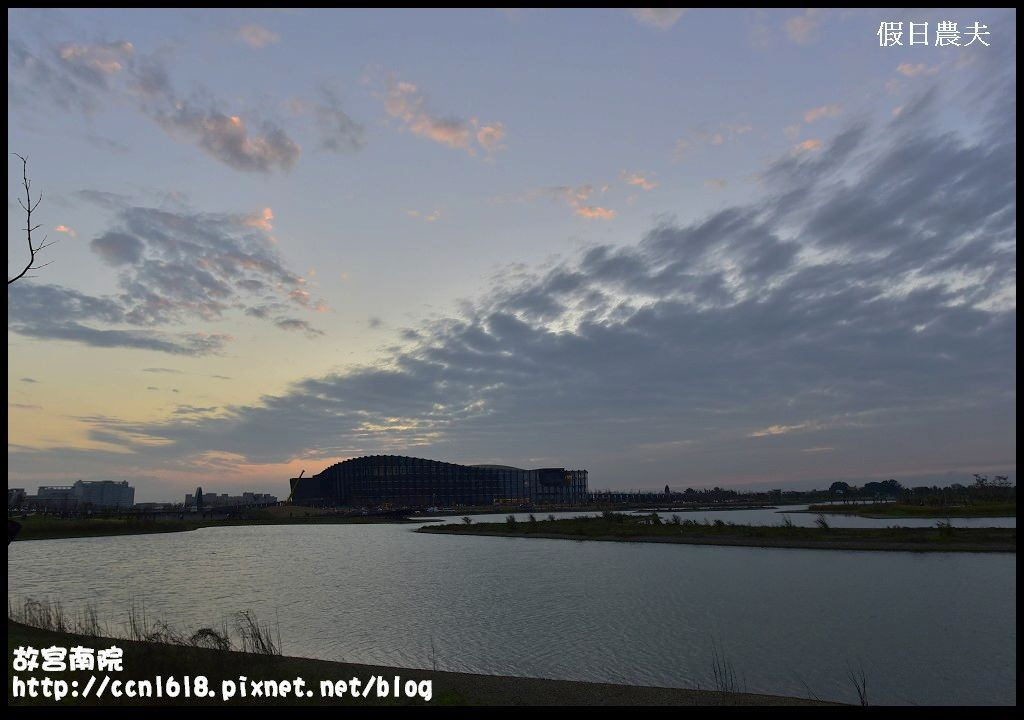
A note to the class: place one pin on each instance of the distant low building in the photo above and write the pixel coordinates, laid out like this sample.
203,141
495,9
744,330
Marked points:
212,499
15,497
96,493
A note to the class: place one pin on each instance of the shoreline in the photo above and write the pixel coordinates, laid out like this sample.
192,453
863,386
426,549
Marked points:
907,512
866,543
449,688
125,527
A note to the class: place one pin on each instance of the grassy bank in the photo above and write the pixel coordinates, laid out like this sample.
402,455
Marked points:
146,660
906,510
630,528
49,527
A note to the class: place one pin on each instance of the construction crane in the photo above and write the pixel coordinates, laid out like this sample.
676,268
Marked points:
291,492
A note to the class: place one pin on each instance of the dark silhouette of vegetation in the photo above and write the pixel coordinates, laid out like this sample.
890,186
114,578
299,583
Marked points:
620,526
860,683
29,206
722,672
252,636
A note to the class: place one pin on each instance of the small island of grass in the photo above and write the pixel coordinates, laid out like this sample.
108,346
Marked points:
651,528
1002,508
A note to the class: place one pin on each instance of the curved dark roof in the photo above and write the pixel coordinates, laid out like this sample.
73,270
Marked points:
406,458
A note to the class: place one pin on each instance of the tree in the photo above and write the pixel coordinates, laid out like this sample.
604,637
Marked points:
29,207
839,488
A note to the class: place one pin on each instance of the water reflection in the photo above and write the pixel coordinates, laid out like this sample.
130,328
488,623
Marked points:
928,628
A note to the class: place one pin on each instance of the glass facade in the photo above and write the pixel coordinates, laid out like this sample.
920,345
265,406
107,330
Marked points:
397,481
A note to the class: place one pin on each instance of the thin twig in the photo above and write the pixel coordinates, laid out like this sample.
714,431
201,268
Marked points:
29,207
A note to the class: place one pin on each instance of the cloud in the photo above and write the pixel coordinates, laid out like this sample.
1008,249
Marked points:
802,29
65,229
703,136
661,18
867,300
430,217
825,111
72,77
490,136
256,36
339,133
297,325
174,267
910,70
405,101
639,179
48,312
263,221
778,430
29,380
94,64
227,138
117,248
85,76
715,183
578,198
808,145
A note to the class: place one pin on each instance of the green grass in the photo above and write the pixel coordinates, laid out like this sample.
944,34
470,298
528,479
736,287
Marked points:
907,510
616,526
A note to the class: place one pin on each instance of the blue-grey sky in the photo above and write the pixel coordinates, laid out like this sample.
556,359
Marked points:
711,247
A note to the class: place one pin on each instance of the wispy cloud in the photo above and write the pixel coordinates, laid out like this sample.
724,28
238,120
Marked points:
641,180
257,36
704,136
856,304
84,76
173,267
405,101
778,430
578,198
825,111
803,29
911,70
808,145
430,217
661,18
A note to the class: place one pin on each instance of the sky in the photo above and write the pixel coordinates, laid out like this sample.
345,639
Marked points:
734,248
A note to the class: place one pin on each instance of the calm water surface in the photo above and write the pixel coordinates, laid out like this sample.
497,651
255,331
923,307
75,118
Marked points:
926,628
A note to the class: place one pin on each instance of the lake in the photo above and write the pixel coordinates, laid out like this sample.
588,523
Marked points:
927,628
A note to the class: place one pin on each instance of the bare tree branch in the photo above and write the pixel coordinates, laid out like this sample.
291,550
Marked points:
29,207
